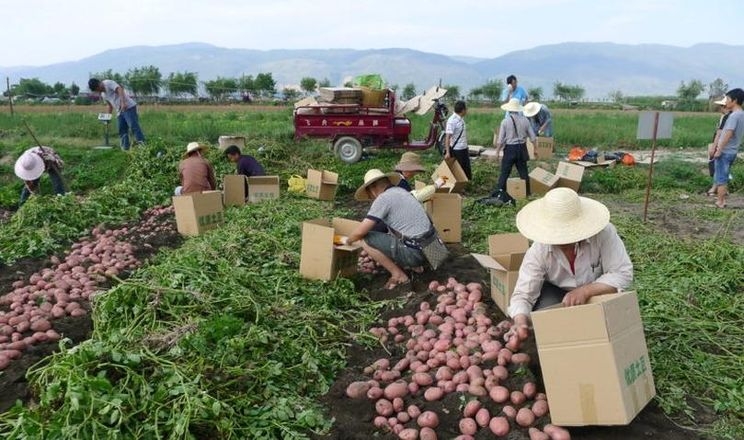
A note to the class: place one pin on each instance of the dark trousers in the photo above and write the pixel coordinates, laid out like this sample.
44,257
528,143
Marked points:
514,155
550,295
463,158
57,185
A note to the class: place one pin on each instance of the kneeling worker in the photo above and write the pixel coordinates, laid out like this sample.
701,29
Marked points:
576,254
409,226
196,173
245,164
32,164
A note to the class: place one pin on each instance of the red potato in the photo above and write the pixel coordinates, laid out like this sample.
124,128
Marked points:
483,417
10,354
403,417
468,426
428,419
556,432
499,426
413,388
471,408
413,411
525,417
17,345
499,394
530,390
4,362
517,398
398,404
540,408
384,407
52,335
509,412
358,390
396,389
433,393
408,434
536,434
462,388
520,358
460,377
78,312
427,434
477,390
385,376
40,325
23,326
40,337
541,396
514,343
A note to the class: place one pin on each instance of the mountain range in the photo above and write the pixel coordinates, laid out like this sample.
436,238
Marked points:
600,68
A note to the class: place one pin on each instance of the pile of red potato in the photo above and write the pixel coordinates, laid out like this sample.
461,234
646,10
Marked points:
367,265
28,312
453,346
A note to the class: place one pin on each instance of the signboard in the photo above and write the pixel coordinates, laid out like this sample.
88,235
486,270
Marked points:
646,125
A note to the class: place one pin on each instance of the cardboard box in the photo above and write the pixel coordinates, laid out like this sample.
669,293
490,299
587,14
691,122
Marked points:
516,187
198,212
226,141
594,361
320,259
262,188
456,178
233,187
505,255
542,181
321,184
445,210
569,175
545,147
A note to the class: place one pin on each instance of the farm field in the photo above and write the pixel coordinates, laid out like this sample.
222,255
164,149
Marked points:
217,336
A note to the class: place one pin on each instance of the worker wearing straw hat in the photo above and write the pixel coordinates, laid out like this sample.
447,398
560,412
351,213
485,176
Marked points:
196,173
32,164
514,131
725,112
405,217
540,118
576,254
409,165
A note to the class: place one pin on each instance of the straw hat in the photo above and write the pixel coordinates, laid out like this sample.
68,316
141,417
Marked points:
410,161
371,177
531,109
721,101
562,217
512,106
193,146
30,166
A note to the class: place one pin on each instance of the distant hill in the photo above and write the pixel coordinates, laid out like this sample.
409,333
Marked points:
598,67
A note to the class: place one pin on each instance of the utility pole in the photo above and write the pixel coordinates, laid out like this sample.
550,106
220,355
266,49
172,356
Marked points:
10,96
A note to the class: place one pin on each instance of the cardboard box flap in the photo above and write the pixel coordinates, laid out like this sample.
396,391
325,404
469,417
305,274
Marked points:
263,180
570,171
344,226
544,176
329,178
488,262
621,311
508,249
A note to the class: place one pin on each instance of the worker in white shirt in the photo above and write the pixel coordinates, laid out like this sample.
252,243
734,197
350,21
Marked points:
576,254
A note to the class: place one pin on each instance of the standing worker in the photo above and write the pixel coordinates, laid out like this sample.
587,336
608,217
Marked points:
456,138
513,91
540,118
728,142
117,98
513,134
32,164
196,173
712,146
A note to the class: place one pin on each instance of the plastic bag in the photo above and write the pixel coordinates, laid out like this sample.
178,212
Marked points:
373,81
296,184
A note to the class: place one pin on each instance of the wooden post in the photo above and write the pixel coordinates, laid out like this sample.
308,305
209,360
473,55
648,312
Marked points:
10,95
651,167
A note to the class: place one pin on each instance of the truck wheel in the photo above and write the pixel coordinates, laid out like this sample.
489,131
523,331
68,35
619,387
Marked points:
348,149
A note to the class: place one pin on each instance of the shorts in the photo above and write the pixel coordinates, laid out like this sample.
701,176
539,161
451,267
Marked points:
723,168
394,249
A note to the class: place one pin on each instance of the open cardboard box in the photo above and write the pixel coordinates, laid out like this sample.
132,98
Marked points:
505,255
542,181
455,176
198,212
259,188
321,184
445,210
320,258
594,361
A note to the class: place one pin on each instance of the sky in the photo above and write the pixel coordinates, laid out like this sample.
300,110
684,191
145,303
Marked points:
42,32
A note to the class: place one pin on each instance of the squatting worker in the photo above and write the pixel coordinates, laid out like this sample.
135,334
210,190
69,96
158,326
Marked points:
456,138
540,118
514,131
126,109
32,164
406,220
244,164
196,173
576,254
409,165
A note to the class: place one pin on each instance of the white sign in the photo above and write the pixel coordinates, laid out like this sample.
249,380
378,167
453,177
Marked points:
646,125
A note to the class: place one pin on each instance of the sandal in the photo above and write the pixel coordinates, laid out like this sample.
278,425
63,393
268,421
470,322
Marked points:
393,284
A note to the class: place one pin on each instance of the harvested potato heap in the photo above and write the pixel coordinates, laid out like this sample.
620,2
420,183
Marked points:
367,265
453,347
65,288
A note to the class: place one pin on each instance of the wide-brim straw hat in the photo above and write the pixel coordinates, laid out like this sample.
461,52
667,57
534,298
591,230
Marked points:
512,106
721,101
193,146
410,161
30,166
531,109
562,217
371,177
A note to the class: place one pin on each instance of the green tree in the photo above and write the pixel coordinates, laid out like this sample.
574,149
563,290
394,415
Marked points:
535,93
32,87
74,89
114,76
308,84
492,90
717,88
290,94
144,81
409,91
247,85
616,96
568,92
453,91
182,83
220,88
265,84
325,82
60,91
476,94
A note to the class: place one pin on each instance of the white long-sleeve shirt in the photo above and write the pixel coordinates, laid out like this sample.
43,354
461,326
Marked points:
601,258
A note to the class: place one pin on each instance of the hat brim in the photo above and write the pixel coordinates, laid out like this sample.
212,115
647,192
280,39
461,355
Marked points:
32,174
186,154
531,110
409,167
361,193
512,108
720,102
538,227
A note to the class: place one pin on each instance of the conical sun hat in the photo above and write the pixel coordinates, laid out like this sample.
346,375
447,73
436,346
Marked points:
410,161
531,109
371,177
30,166
562,217
512,106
